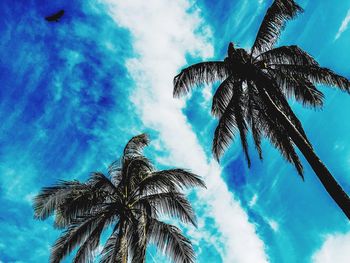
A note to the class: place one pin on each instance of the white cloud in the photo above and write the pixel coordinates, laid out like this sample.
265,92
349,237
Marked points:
163,33
334,249
344,25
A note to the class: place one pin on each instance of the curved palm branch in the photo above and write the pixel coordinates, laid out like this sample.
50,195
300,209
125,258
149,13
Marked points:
289,55
168,238
201,73
273,23
173,204
50,198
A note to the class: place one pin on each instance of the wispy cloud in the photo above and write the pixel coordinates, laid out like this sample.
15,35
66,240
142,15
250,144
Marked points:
164,32
344,25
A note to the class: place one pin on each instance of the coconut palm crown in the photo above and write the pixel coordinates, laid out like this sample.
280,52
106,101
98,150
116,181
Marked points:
254,91
129,202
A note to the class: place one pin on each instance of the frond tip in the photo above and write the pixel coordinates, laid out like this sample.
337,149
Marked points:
198,74
273,23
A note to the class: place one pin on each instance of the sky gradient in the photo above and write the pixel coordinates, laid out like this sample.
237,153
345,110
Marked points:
74,92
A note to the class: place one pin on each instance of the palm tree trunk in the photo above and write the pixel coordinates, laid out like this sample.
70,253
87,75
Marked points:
323,174
122,240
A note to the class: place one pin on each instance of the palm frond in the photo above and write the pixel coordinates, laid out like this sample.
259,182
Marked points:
285,145
198,74
111,252
223,95
169,239
85,254
278,136
299,88
267,87
273,23
173,204
317,75
79,203
252,116
99,181
135,146
288,55
76,233
225,131
240,116
115,172
168,179
50,198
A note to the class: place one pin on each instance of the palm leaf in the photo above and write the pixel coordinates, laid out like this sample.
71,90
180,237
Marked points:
169,239
135,146
173,204
85,253
299,88
317,75
290,55
50,198
225,131
111,253
252,116
273,23
73,236
168,179
223,95
198,74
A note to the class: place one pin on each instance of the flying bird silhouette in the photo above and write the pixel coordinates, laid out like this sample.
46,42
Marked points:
55,17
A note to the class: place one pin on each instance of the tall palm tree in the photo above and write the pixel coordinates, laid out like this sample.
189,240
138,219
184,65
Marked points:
255,86
128,202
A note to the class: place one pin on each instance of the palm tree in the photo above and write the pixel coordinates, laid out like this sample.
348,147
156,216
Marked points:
253,93
129,202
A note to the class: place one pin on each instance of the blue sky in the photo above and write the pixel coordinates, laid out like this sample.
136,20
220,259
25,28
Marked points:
72,94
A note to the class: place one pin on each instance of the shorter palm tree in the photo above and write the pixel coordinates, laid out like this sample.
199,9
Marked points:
128,201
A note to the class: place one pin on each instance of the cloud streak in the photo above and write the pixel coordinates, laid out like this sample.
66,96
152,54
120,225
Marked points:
164,32
344,25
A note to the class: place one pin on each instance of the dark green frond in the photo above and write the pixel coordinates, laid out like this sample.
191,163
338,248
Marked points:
292,55
111,253
169,179
198,74
267,87
135,146
273,23
172,204
240,116
169,239
317,75
79,203
100,181
115,172
76,233
253,117
85,254
299,88
225,131
223,95
279,138
50,198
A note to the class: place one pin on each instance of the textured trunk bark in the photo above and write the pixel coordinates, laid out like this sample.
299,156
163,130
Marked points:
122,241
323,174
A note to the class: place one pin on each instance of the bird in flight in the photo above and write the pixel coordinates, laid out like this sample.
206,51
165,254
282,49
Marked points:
55,17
